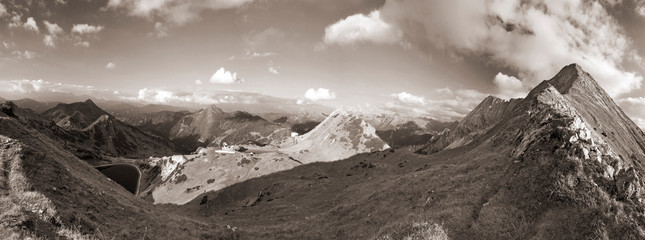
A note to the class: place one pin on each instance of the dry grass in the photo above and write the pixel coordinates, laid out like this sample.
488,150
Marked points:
424,230
22,206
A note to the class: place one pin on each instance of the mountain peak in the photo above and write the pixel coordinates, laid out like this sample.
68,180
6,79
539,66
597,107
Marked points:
214,109
568,77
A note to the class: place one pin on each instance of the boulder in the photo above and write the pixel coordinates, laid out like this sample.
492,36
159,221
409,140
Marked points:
628,185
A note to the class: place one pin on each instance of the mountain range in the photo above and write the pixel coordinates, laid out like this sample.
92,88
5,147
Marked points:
563,162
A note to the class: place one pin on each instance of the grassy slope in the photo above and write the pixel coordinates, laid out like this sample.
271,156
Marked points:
83,198
477,191
364,196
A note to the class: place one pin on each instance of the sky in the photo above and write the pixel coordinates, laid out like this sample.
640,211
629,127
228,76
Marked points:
431,58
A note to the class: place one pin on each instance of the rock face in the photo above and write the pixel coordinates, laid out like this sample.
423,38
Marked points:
212,126
339,136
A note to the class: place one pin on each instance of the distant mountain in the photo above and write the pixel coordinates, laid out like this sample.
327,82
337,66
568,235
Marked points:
339,136
34,105
78,115
213,126
409,134
158,123
106,134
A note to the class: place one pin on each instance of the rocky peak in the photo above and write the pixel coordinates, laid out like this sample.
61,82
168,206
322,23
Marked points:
567,77
89,102
213,109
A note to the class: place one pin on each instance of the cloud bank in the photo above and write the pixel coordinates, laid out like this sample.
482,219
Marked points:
319,94
175,11
534,38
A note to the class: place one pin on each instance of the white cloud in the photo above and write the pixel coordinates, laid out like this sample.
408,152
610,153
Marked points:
319,94
49,41
264,54
176,11
639,7
31,25
222,76
52,28
3,10
408,98
634,107
526,36
82,43
161,30
198,82
191,98
110,65
53,31
39,86
24,54
273,70
448,104
509,86
361,28
85,28
162,96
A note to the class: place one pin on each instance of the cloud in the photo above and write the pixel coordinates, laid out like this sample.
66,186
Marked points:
448,104
110,65
3,10
526,36
52,28
509,86
198,82
31,25
639,7
176,11
273,70
53,31
85,28
24,54
256,42
49,41
407,98
361,28
221,76
82,43
166,97
319,94
190,98
160,30
39,86
634,107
